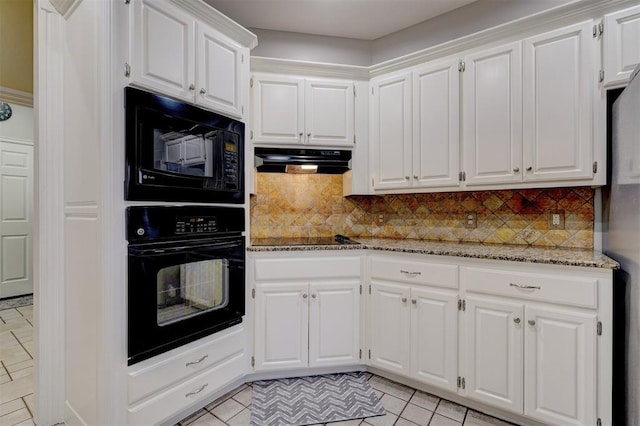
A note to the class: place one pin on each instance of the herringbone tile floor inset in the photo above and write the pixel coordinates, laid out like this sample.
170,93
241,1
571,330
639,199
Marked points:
314,399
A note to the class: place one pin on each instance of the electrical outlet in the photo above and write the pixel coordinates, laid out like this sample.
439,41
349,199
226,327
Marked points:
380,219
556,219
471,220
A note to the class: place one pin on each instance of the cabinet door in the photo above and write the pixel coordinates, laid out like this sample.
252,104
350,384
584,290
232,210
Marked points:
278,108
173,151
494,352
329,112
163,48
334,324
434,337
436,122
560,366
391,132
492,128
559,82
621,45
390,320
281,326
220,74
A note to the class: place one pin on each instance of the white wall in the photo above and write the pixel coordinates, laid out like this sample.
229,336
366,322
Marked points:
19,126
460,22
307,47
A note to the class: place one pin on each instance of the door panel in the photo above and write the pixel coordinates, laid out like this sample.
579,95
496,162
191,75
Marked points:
492,102
329,113
558,98
436,122
278,109
434,337
281,326
621,45
334,324
16,193
390,320
391,132
560,366
494,353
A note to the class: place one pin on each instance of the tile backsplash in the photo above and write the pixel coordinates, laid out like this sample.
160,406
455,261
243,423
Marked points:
290,205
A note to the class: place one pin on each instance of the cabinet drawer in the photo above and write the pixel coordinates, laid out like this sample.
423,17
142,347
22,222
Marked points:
331,267
149,376
185,394
412,272
568,290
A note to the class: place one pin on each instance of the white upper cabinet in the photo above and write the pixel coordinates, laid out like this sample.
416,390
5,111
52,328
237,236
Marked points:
391,146
163,48
559,79
175,54
492,105
436,124
292,110
621,45
221,73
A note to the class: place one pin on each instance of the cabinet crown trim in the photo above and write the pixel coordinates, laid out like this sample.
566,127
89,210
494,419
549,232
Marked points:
308,69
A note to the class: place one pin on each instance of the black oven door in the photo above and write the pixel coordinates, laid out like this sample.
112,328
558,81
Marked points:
182,291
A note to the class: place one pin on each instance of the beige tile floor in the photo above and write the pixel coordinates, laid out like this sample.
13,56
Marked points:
16,366
405,406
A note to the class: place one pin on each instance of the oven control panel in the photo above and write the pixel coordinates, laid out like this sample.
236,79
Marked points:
196,225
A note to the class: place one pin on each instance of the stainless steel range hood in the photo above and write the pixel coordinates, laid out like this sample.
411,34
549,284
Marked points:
292,160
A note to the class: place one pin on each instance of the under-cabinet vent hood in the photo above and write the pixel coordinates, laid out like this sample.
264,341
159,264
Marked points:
291,160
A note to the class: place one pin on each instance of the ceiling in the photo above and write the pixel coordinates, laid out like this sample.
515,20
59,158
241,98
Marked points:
358,19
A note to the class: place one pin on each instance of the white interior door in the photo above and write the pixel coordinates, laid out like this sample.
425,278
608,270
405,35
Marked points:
16,189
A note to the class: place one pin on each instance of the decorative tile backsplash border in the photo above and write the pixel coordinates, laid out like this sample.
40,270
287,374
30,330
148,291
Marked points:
289,205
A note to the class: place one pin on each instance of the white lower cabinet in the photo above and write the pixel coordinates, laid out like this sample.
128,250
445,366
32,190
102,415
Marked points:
531,345
307,312
414,327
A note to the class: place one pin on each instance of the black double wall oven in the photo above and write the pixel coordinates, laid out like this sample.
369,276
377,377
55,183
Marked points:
186,262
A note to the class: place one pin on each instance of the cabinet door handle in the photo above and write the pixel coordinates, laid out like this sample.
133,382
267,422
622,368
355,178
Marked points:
516,320
404,300
196,362
203,91
304,295
415,177
192,87
414,301
525,287
197,391
406,178
529,168
532,322
516,170
313,296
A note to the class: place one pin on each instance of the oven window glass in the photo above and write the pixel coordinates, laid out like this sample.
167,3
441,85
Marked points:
190,289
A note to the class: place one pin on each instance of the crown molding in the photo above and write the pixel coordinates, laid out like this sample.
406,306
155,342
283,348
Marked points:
307,68
17,97
222,23
577,10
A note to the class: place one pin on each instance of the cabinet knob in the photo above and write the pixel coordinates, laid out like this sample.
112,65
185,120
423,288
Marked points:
313,296
406,178
532,322
516,170
516,320
203,91
415,177
529,168
414,301
192,87
304,295
404,300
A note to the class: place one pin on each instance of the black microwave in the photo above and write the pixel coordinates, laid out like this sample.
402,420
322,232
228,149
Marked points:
179,152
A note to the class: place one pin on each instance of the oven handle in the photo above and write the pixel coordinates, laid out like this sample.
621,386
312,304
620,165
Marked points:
135,251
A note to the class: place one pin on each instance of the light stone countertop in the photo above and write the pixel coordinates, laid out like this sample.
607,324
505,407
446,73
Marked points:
516,253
